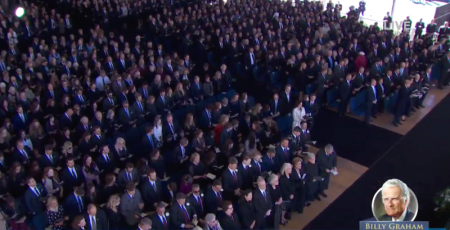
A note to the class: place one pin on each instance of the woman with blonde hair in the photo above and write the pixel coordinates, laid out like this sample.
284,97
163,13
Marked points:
287,185
298,175
189,126
55,214
120,151
112,212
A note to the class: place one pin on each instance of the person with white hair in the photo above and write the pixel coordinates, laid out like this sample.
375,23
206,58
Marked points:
211,222
327,162
313,180
395,196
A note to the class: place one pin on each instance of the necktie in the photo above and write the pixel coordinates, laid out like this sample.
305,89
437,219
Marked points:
22,117
50,158
145,93
219,197
153,185
74,174
200,202
126,111
164,221
264,195
276,106
93,223
140,106
234,175
80,203
129,176
186,215
111,101
24,154
259,166
107,158
37,191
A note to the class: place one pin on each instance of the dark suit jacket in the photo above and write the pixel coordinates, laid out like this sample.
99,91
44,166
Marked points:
408,217
213,202
100,219
230,183
149,195
178,217
197,204
262,205
33,202
71,206
158,224
230,223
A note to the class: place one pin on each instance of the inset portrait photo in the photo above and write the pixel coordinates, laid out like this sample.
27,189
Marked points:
394,201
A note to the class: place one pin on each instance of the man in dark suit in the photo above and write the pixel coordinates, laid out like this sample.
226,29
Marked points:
171,128
327,163
288,98
232,180
182,214
395,195
35,196
66,120
213,197
246,172
283,153
127,117
72,176
105,161
22,154
269,161
263,205
74,204
196,200
311,106
277,106
129,174
21,120
371,101
95,219
196,89
345,91
151,191
160,221
49,159
322,86
401,105
206,118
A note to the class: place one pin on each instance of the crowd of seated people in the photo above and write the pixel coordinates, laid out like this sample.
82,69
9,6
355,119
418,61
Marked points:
146,114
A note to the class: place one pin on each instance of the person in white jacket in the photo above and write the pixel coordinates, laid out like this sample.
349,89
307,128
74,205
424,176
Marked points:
298,114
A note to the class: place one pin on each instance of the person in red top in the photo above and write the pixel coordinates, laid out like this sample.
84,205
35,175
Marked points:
360,61
219,128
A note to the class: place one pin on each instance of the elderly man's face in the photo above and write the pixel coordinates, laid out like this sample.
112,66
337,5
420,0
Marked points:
393,201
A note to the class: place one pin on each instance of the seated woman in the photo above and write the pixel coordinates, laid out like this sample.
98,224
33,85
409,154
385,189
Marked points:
197,170
14,212
55,214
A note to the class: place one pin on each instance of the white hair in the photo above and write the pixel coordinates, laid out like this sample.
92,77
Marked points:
329,148
284,167
272,178
210,217
394,183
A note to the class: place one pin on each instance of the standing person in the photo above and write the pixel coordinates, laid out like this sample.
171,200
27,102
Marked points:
371,101
362,7
327,163
401,104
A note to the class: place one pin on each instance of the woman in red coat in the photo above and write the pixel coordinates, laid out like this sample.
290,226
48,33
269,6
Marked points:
360,61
